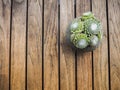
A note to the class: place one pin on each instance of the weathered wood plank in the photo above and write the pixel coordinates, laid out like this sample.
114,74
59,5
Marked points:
84,60
34,62
114,34
100,55
67,55
50,45
5,8
18,48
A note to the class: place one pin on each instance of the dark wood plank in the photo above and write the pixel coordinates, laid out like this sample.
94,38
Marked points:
100,55
5,8
84,60
18,49
114,34
34,62
67,56
50,45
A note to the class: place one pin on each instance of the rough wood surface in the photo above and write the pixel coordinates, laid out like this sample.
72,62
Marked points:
4,43
18,45
50,45
114,34
27,46
100,55
67,55
34,62
84,60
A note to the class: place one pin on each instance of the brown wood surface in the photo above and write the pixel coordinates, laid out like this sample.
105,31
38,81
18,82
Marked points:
34,62
67,55
50,45
84,60
4,43
100,55
18,45
114,34
36,37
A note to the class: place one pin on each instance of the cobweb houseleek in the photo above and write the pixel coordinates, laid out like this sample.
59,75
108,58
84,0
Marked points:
94,41
85,31
76,27
80,40
93,26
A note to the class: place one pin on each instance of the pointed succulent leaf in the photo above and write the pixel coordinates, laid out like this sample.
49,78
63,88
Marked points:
100,34
87,15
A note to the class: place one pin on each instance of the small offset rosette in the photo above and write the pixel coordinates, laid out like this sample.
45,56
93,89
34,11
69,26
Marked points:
85,32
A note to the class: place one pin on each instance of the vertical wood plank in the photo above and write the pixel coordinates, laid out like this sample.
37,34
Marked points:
34,62
50,45
18,48
67,55
100,55
84,60
114,34
5,8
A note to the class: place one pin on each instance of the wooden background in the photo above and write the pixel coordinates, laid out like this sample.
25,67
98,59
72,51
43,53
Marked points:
35,56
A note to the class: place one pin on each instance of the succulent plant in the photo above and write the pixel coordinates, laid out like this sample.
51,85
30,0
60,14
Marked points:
85,31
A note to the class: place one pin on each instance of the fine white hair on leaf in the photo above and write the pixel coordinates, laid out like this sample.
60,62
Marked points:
93,26
87,13
82,43
94,41
74,25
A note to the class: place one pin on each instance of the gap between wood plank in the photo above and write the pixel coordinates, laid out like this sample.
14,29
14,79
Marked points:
92,55
109,83
10,45
75,51
42,44
59,44
26,45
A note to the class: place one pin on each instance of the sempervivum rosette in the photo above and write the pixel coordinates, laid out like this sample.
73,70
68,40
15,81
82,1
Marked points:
85,32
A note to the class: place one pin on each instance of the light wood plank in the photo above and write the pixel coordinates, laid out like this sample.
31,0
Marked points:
100,55
84,60
114,34
50,45
5,8
18,49
67,55
34,62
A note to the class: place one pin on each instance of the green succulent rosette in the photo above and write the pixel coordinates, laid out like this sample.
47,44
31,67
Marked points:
76,27
80,40
87,15
85,32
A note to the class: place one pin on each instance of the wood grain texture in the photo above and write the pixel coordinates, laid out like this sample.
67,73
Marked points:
50,45
34,62
18,47
84,60
67,55
114,34
100,55
5,8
